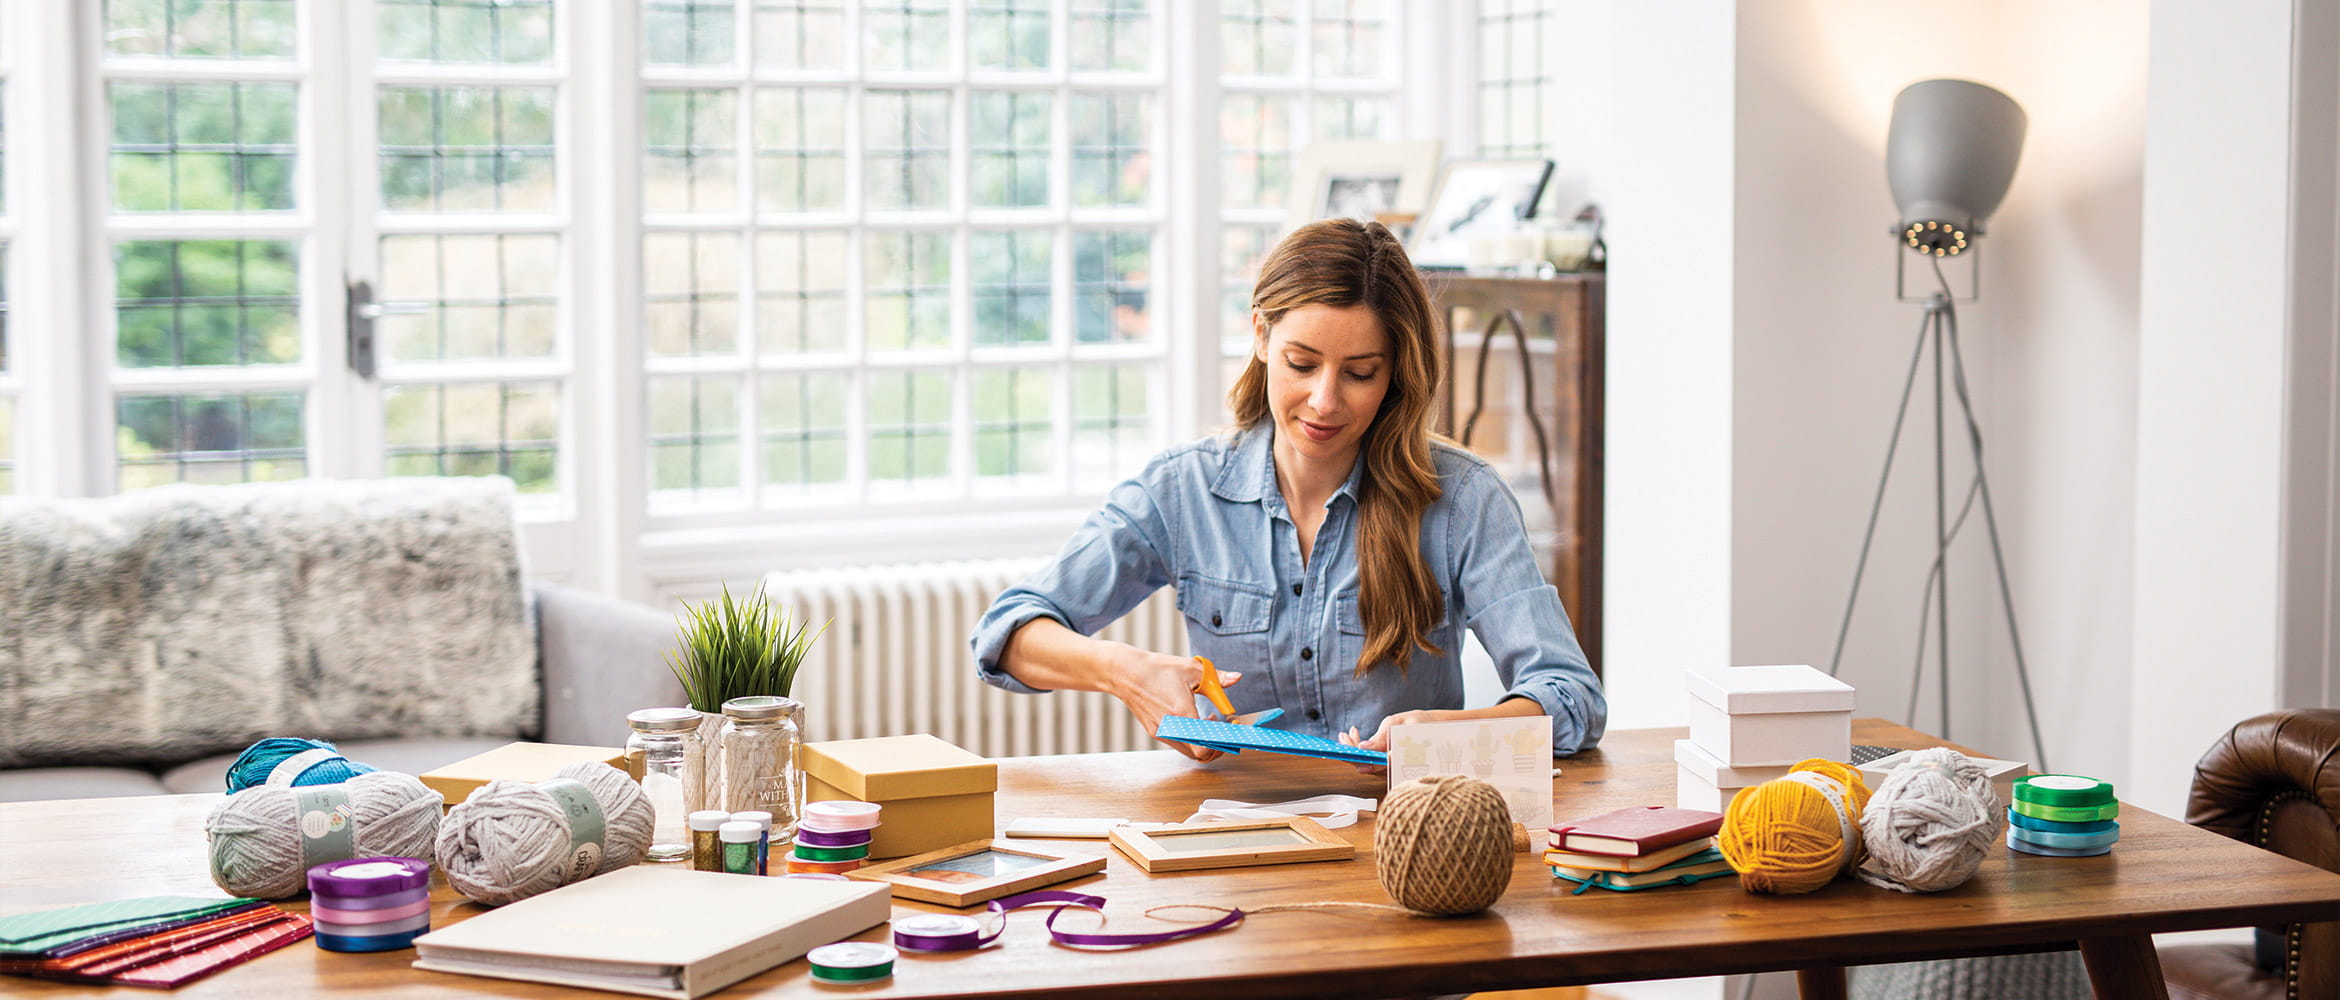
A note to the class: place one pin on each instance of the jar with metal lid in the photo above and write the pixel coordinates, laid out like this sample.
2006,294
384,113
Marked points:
666,756
759,772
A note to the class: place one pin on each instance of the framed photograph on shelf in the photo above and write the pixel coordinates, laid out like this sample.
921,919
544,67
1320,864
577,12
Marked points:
976,871
1361,180
1191,846
1476,198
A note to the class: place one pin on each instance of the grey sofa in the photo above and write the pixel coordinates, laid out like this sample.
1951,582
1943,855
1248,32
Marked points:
598,658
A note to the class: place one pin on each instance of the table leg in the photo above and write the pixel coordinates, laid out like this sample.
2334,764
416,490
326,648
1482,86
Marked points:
1821,984
2124,967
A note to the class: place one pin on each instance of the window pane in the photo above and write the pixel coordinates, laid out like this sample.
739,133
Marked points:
1514,83
1349,39
186,303
1112,35
203,147
465,31
803,429
800,149
800,289
5,315
477,429
906,34
694,433
1255,150
1240,250
905,141
208,437
907,276
3,150
7,443
467,148
1007,34
690,285
909,425
1350,117
1011,275
800,34
202,29
1111,269
1010,139
480,297
693,150
1012,427
687,32
1257,37
1111,431
1111,165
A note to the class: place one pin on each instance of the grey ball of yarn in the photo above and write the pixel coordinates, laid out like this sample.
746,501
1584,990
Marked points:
1930,824
510,839
256,838
1442,845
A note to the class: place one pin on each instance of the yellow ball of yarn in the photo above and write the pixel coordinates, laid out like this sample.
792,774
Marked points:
1787,835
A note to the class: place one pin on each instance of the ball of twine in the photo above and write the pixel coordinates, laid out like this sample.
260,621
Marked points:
510,839
1795,833
258,761
256,839
1443,845
1931,823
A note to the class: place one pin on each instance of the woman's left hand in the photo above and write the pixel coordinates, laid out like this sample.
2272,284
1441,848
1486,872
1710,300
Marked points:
1380,738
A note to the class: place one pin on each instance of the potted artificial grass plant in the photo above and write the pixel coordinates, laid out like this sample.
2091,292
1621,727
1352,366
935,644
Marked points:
730,648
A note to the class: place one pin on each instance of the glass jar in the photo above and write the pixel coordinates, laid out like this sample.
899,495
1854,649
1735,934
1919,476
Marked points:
666,756
760,737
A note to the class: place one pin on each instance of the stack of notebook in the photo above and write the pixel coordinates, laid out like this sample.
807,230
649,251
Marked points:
1637,848
159,941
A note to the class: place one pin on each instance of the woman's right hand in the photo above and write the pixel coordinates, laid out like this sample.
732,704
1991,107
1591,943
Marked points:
1152,685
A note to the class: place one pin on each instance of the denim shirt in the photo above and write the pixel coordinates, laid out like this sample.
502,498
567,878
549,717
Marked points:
1208,519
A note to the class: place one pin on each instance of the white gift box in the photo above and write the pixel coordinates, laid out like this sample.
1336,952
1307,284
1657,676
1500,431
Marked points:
1703,781
2003,773
1765,716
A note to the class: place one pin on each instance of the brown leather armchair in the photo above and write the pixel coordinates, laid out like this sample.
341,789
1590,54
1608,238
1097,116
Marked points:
2272,781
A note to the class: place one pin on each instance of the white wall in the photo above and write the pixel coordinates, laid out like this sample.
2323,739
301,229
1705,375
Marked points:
1822,348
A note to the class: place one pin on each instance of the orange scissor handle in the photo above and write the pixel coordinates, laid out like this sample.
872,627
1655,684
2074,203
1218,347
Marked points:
1210,688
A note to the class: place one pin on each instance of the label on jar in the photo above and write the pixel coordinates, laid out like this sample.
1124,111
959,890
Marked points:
586,826
328,825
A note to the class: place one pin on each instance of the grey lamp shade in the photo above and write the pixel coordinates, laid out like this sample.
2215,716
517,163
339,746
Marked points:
1949,156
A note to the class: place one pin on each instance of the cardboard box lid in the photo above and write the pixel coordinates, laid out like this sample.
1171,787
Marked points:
885,768
1720,774
1770,689
515,762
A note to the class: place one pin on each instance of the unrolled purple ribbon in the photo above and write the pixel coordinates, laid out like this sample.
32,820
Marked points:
1078,939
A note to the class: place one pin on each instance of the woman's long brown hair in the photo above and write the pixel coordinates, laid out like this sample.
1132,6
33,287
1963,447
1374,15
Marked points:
1339,262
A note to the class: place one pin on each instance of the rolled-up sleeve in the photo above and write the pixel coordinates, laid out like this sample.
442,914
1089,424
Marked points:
1517,616
1116,558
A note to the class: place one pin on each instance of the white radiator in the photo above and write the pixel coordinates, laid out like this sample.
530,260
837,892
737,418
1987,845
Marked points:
895,660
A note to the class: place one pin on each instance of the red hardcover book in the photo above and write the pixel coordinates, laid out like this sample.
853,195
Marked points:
1635,830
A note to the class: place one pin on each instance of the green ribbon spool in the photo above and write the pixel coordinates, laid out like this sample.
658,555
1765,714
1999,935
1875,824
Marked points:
852,962
2066,791
2068,814
807,852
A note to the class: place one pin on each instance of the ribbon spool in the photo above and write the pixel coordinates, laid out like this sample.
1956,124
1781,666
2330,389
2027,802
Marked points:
947,932
849,963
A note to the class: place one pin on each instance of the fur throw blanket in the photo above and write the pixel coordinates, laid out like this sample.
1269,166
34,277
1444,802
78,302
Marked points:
173,623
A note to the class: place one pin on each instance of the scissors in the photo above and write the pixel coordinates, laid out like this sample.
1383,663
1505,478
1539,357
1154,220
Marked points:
1210,688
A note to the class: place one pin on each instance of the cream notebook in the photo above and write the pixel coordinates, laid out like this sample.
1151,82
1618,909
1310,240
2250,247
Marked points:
656,931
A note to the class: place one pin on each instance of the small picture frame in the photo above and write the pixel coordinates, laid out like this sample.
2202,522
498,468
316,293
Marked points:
1194,846
1476,198
976,871
1362,180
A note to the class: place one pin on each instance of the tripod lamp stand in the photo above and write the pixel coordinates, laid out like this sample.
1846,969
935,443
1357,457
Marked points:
1949,156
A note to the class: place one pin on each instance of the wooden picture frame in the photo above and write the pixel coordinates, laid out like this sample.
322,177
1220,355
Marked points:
971,873
1361,180
1282,840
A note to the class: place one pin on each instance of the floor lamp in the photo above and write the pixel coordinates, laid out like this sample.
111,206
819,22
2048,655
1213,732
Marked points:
1949,155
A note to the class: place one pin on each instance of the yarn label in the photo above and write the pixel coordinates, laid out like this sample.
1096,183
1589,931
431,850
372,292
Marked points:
328,826
586,825
289,769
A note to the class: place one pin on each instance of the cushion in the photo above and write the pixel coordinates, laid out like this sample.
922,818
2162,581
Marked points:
403,756
164,625
34,784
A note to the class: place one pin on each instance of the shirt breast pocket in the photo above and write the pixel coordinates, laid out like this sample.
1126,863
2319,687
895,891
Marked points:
1227,621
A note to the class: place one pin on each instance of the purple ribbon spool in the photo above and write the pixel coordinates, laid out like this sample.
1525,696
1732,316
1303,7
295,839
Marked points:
831,838
943,932
359,878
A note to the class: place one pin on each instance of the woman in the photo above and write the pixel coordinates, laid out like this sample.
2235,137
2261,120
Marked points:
1330,546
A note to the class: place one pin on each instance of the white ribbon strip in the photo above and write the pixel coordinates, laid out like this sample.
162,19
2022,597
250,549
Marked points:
1331,811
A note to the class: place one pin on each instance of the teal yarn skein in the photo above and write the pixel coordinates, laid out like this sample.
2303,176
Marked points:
259,760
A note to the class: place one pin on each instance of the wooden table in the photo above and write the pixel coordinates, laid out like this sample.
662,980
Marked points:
2164,876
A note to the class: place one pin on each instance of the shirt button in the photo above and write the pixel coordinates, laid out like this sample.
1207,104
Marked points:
1214,621
1307,653
1295,590
1314,715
